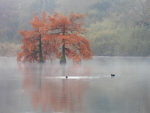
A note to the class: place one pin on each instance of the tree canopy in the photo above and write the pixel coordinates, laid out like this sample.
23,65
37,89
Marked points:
55,36
114,27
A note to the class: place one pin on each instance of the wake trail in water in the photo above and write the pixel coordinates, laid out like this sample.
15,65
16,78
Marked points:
78,77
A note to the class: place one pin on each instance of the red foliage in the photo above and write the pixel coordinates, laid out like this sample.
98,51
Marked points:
29,46
54,32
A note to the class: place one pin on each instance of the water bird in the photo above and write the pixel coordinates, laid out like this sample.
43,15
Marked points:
66,76
113,75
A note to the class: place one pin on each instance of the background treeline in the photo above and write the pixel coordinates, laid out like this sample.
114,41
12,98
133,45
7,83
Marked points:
114,27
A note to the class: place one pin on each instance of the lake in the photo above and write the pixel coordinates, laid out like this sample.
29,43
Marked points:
89,88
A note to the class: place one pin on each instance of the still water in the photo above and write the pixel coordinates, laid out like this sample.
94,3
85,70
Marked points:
34,88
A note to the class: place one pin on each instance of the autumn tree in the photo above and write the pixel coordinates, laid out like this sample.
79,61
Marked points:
37,45
55,36
29,47
69,32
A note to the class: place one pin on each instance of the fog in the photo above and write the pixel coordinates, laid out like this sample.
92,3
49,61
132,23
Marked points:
29,88
113,27
80,6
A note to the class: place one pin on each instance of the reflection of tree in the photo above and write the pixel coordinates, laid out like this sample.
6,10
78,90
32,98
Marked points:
58,95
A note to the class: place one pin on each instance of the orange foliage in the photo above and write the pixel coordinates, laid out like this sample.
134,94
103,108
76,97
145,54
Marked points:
54,32
68,30
29,46
30,42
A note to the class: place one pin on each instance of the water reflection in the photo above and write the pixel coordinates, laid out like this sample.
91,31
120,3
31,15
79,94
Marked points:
56,95
41,87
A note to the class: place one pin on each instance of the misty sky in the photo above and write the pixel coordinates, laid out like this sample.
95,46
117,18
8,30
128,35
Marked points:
75,5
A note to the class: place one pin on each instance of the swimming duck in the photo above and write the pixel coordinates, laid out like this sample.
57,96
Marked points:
66,76
113,75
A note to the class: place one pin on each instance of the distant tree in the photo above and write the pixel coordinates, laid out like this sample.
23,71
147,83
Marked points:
8,25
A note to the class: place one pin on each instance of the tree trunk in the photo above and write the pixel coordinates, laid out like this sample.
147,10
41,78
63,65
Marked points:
63,57
41,60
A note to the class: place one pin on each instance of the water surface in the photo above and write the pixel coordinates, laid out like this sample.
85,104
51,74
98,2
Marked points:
34,88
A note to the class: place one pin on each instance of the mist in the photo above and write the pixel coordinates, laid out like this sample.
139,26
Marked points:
70,64
32,88
114,27
80,6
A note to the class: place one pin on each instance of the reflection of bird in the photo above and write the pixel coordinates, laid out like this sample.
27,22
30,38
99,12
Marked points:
66,76
113,75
